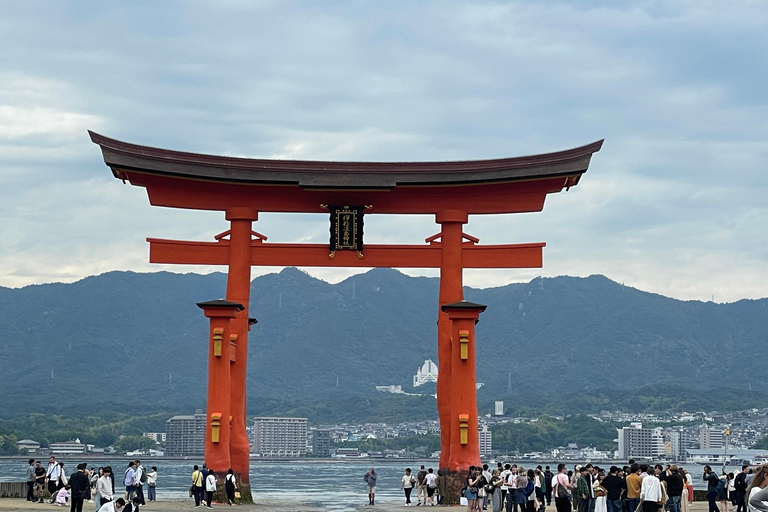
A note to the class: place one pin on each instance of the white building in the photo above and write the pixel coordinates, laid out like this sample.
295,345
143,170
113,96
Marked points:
67,448
485,438
427,373
636,441
279,437
27,444
499,408
392,388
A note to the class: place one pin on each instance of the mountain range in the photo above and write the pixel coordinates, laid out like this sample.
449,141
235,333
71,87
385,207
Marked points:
131,341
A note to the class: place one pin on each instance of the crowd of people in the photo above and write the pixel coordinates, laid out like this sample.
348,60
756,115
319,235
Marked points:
95,486
631,488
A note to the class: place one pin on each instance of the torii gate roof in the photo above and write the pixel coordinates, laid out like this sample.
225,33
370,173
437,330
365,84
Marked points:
191,180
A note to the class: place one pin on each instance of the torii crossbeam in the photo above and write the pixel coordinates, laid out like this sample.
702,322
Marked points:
451,191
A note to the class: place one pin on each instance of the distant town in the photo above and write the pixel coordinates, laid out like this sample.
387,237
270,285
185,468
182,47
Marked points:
698,437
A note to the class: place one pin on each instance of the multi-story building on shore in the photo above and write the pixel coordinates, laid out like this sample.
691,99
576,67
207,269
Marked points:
321,443
279,437
485,439
638,442
185,435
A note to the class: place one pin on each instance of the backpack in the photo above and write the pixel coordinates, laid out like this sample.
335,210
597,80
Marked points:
720,485
143,476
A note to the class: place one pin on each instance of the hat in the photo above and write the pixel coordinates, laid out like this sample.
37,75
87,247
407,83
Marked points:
578,467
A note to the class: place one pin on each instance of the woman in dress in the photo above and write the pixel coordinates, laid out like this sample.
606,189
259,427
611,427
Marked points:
406,485
722,494
600,493
496,481
473,479
210,488
689,484
230,485
685,498
152,483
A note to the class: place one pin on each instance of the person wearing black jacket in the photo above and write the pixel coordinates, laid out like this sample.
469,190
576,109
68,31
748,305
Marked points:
616,487
740,490
674,481
80,488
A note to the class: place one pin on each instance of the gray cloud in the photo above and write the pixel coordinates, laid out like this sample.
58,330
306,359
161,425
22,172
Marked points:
674,203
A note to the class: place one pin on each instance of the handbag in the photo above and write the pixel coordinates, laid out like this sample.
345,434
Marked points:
238,495
473,489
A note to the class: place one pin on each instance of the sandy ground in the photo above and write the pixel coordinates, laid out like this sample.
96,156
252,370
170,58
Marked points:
20,504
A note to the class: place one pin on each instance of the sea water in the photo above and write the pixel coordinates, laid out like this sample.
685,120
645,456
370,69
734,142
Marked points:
330,484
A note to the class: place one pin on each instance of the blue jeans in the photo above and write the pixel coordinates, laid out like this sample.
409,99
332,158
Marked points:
614,505
674,503
632,504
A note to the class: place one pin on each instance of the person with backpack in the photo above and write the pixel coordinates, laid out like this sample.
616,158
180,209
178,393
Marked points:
713,484
139,479
421,486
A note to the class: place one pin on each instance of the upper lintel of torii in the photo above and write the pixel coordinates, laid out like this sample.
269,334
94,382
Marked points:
198,181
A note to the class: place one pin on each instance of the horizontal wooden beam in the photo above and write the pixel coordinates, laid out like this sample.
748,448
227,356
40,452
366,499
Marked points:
318,255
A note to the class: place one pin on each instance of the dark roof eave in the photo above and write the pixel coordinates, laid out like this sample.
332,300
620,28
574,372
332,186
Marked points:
321,174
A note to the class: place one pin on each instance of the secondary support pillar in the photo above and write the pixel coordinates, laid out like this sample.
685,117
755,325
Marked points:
217,431
239,290
451,290
465,448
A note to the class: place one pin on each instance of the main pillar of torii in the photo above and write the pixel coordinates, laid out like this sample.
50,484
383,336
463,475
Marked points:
450,191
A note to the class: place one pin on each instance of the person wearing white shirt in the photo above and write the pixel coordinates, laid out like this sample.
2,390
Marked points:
650,492
52,475
112,506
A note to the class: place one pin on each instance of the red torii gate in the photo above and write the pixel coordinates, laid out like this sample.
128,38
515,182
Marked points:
242,187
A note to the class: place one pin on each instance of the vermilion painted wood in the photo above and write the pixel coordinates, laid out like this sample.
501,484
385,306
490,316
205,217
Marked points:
316,255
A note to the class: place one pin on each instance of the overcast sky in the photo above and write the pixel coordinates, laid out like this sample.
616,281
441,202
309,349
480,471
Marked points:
675,203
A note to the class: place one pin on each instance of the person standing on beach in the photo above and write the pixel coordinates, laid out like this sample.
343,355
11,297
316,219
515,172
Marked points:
128,482
650,492
634,481
421,486
370,480
139,478
406,484
230,486
197,485
548,476
712,481
31,480
210,488
52,475
152,483
39,482
80,488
